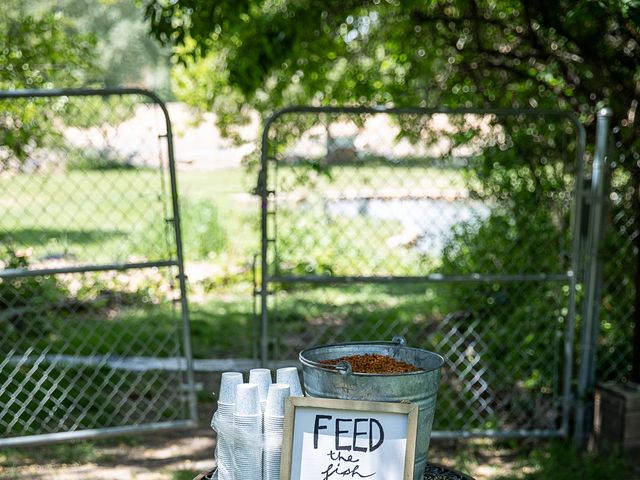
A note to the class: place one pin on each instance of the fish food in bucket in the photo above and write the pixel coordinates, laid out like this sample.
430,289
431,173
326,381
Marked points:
329,373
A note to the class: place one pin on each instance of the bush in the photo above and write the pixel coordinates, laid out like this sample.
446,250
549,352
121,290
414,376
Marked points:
97,160
203,234
25,302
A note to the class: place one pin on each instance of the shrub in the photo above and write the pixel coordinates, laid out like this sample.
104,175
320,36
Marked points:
203,234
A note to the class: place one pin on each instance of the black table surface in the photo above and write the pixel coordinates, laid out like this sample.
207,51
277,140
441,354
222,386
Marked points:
432,472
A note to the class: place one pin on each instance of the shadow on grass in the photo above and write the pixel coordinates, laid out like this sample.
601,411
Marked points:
65,453
331,314
559,460
42,236
222,329
184,474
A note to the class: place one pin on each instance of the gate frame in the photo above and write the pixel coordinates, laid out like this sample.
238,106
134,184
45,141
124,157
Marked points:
570,277
598,220
101,432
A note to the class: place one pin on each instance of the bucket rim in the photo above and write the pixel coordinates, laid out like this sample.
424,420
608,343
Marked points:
310,363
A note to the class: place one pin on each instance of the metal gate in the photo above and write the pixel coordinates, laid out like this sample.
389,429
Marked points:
94,325
459,229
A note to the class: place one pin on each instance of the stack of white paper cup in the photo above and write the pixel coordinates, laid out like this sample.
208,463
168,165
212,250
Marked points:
273,428
262,378
289,376
222,422
247,428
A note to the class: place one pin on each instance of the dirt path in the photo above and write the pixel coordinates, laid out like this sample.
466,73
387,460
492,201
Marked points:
175,456
173,459
181,455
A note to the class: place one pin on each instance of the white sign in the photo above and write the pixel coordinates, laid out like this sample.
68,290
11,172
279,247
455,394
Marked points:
328,439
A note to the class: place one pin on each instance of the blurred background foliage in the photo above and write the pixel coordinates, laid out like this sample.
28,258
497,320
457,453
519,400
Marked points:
242,56
573,55
239,56
72,43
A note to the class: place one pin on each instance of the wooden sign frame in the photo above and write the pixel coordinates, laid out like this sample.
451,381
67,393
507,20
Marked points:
292,403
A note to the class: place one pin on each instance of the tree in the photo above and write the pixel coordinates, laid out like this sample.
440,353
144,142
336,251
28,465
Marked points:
124,51
567,54
572,55
44,52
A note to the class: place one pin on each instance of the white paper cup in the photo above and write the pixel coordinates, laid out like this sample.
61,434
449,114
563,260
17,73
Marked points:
247,420
228,384
278,393
262,378
273,423
247,400
225,429
248,451
273,431
289,376
225,411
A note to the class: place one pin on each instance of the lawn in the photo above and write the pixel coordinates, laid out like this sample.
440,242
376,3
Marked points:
114,215
119,215
80,217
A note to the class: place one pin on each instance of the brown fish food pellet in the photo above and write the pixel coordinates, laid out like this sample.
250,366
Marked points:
374,363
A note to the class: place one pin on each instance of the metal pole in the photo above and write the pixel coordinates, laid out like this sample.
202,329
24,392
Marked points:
9,273
184,306
569,333
592,281
264,277
92,433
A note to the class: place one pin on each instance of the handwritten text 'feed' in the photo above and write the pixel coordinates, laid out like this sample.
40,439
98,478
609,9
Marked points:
340,444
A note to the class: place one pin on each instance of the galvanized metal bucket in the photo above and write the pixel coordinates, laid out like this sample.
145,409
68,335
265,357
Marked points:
339,381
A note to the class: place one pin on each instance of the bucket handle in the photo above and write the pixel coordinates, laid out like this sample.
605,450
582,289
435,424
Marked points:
343,367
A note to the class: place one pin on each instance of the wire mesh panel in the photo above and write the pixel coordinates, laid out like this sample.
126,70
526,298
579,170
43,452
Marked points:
92,303
452,228
619,254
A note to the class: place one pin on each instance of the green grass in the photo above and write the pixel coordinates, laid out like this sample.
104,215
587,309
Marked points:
67,453
221,326
119,215
529,460
109,314
56,398
220,227
316,243
372,177
184,474
560,460
97,216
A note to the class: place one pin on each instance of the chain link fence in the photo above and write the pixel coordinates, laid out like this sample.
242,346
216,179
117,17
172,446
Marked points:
619,253
458,229
92,301
461,230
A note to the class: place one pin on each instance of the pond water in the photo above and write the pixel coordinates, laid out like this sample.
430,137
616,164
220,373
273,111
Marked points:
426,223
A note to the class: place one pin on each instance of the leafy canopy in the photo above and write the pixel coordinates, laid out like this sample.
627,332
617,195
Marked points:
43,52
576,55
124,51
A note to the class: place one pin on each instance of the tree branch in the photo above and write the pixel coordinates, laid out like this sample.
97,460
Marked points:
418,16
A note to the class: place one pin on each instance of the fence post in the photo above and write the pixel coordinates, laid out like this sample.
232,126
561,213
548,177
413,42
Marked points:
263,191
592,281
